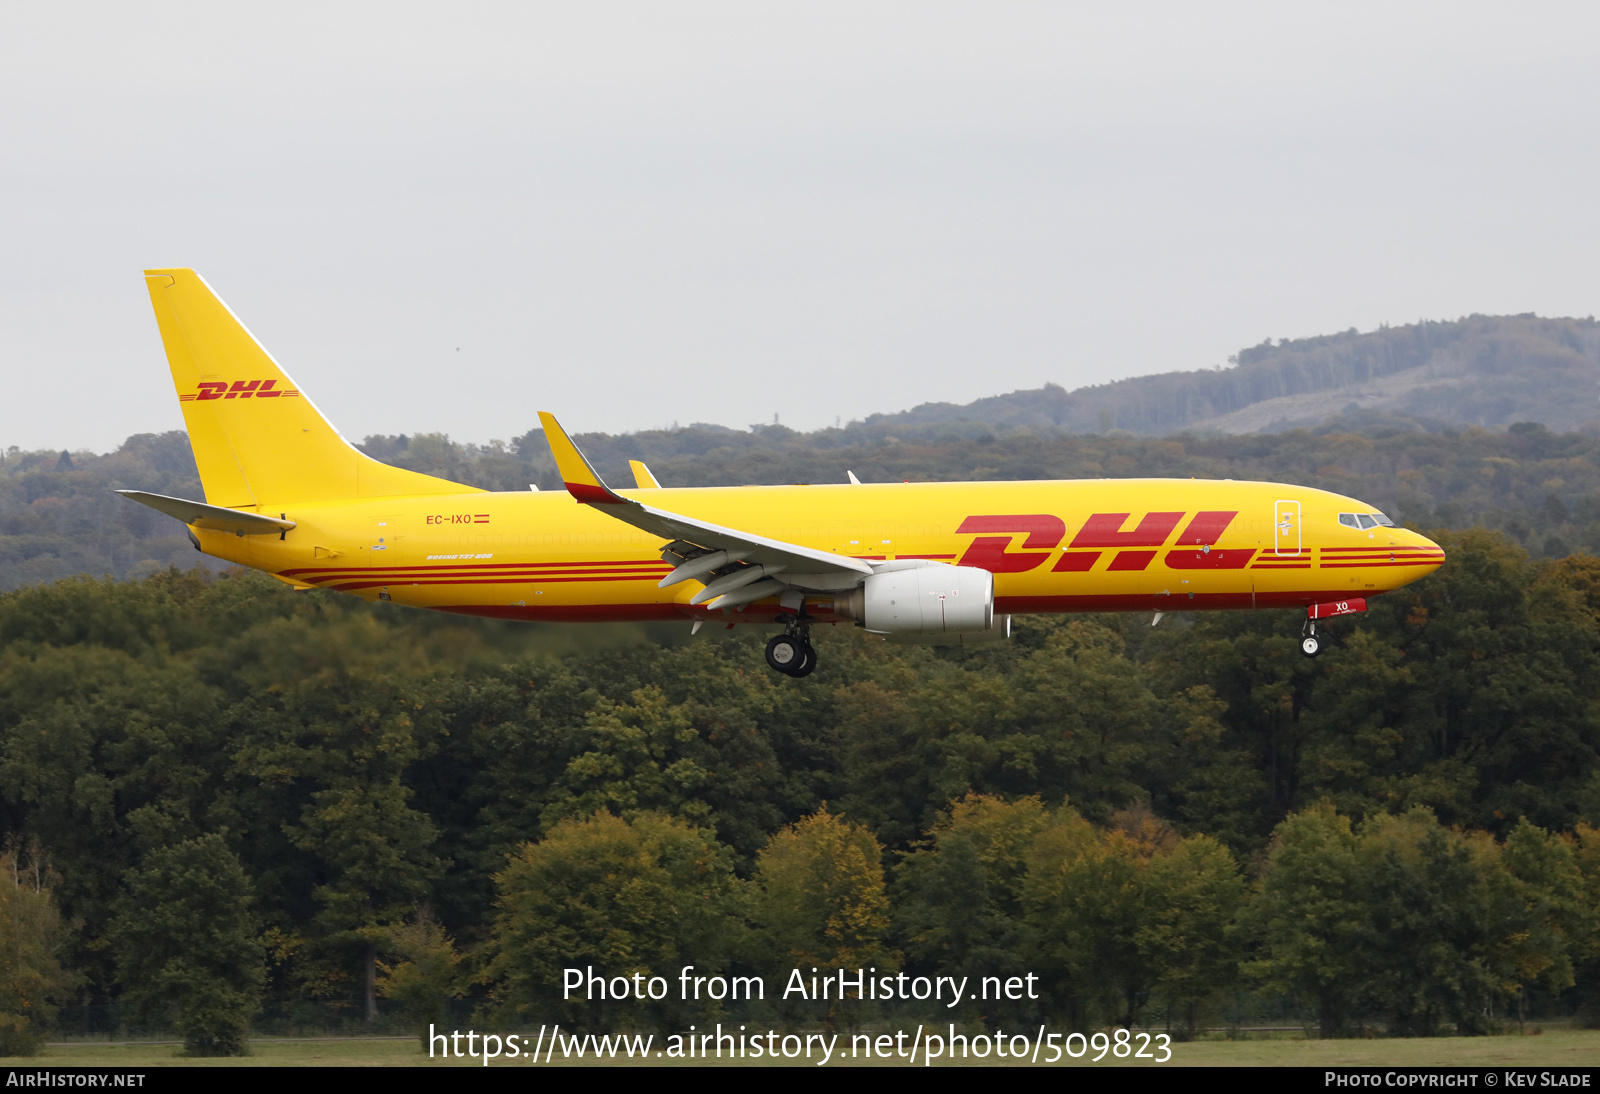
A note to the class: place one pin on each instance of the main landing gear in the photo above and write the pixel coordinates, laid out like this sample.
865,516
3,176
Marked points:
791,652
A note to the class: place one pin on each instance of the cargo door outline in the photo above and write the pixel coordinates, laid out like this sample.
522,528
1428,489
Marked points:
383,539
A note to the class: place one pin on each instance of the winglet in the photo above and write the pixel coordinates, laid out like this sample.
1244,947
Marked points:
581,480
642,477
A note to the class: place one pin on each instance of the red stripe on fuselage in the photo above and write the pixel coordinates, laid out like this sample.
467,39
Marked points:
1177,602
446,565
625,613
531,577
1374,565
347,586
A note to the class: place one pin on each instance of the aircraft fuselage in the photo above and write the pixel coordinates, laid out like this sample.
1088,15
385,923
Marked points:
1053,546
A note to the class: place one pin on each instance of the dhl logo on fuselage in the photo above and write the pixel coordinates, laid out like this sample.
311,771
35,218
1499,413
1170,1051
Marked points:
1135,547
240,389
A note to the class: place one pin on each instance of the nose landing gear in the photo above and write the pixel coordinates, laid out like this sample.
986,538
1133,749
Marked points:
791,652
1310,644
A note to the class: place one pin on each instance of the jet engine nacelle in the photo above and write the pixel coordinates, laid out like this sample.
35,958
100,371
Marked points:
923,598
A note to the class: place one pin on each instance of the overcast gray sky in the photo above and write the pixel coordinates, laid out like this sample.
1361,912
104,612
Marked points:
639,213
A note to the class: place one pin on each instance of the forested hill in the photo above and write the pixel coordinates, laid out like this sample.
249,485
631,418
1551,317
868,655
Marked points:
1484,370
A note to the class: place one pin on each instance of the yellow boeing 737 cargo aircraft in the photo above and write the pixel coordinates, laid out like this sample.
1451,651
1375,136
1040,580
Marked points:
919,562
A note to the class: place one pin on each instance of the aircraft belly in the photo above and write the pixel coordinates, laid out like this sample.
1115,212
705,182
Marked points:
608,588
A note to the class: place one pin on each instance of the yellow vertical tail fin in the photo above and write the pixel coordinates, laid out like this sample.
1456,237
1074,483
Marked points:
257,439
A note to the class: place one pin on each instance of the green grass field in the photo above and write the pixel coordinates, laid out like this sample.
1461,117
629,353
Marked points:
1553,1048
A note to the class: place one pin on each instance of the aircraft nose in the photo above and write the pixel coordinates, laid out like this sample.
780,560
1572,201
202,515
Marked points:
1422,551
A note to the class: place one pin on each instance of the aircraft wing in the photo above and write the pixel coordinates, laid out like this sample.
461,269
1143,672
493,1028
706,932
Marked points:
755,557
214,517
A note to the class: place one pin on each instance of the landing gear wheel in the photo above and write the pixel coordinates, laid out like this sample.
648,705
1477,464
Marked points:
1310,645
810,664
791,652
787,654
791,655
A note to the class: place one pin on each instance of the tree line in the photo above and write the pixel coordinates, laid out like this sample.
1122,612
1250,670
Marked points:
351,802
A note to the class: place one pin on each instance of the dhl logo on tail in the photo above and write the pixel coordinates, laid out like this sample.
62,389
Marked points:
241,389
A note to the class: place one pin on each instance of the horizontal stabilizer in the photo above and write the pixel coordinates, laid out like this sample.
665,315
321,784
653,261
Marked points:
212,517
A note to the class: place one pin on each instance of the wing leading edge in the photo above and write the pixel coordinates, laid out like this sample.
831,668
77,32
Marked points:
747,567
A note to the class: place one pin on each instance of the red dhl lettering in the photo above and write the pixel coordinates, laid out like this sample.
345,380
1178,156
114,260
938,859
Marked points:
208,390
1203,531
1131,560
1044,533
990,552
1103,530
1207,527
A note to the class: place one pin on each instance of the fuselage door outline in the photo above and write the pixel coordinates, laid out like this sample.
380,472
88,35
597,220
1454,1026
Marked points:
1286,537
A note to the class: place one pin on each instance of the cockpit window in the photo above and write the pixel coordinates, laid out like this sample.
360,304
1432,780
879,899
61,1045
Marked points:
1365,520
